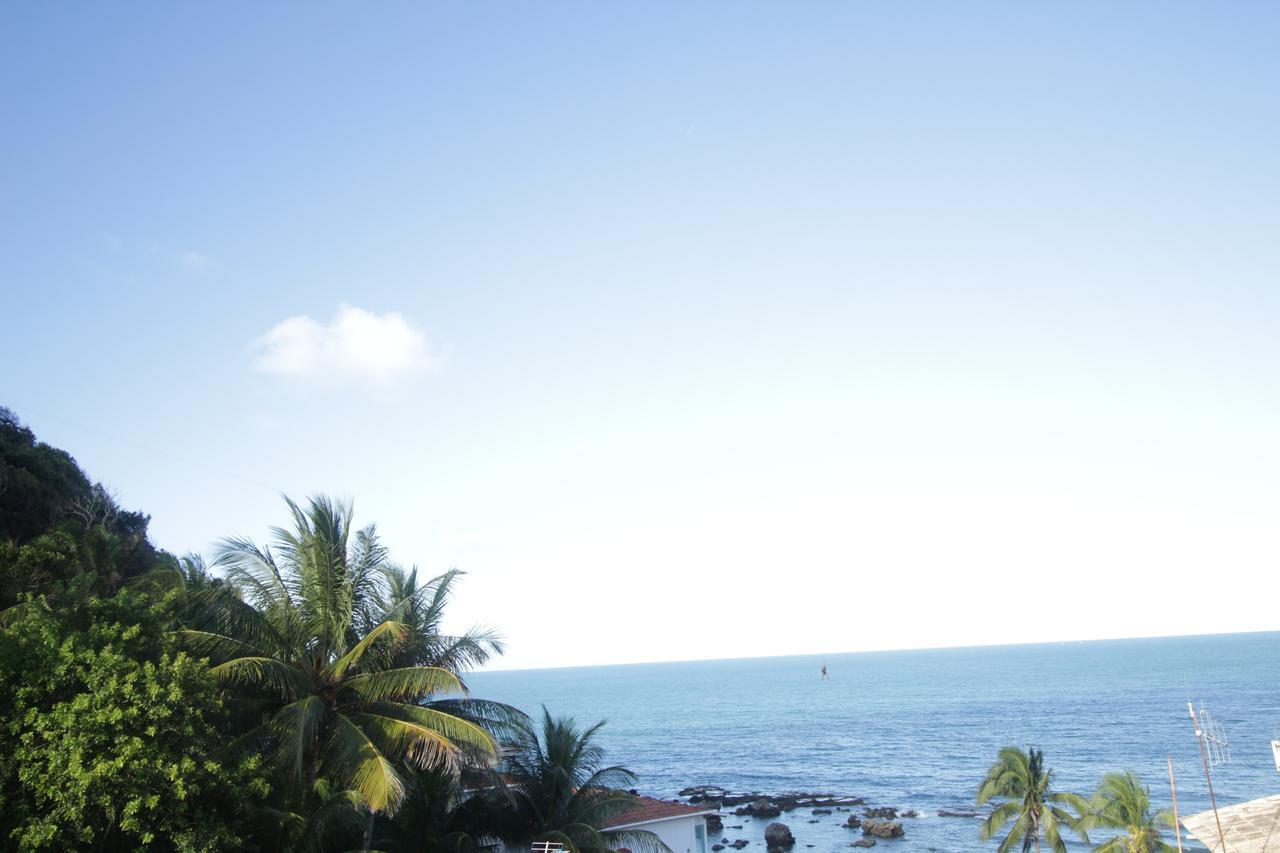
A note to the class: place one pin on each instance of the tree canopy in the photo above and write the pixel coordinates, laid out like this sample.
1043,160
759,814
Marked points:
114,735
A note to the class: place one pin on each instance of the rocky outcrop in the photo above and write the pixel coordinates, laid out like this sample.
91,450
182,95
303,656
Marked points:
822,811
888,812
778,837
882,828
785,801
854,822
945,813
759,808
714,824
864,842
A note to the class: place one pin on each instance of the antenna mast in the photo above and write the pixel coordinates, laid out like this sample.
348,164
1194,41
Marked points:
1177,827
1218,752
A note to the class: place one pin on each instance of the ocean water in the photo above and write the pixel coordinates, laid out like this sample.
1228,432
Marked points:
918,729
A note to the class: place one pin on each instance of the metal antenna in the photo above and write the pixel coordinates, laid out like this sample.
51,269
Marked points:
1215,739
1201,738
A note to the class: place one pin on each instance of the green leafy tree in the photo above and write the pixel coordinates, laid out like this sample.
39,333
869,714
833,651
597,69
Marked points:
37,482
554,785
303,636
1034,808
1122,802
111,736
57,526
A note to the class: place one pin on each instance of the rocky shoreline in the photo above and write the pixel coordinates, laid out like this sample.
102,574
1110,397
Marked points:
874,823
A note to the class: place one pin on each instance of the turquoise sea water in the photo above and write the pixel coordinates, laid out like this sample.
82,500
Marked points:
917,729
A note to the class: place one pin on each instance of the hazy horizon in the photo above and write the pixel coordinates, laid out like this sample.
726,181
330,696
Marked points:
496,664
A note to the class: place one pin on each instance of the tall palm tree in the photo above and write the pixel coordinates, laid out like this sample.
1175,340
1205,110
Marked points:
302,633
558,788
1036,810
1122,802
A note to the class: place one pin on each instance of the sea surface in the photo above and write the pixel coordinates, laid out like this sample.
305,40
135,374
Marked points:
918,729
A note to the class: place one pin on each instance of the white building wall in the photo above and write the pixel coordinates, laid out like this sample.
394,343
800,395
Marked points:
678,833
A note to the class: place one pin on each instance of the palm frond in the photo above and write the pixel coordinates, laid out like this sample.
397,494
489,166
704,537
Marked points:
252,570
638,840
388,632
207,644
414,683
286,681
353,753
408,741
461,733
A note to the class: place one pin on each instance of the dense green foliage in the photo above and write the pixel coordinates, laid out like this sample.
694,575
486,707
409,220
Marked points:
113,734
38,483
57,528
1124,803
1030,803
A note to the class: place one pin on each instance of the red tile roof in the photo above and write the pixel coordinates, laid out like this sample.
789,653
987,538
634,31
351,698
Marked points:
648,809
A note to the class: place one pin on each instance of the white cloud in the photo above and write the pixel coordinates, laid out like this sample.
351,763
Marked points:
356,345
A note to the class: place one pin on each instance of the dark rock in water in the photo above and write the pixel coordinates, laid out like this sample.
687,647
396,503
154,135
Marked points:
884,811
717,846
945,813
882,828
864,842
778,836
911,813
740,843
633,792
763,808
714,824
853,822
822,811
736,826
813,820
788,803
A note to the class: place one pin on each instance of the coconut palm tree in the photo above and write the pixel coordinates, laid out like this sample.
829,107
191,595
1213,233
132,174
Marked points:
1122,802
303,636
1036,810
421,606
555,786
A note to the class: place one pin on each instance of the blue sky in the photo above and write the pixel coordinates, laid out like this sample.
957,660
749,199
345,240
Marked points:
696,329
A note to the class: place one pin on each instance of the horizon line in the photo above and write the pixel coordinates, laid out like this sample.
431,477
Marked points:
1060,642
